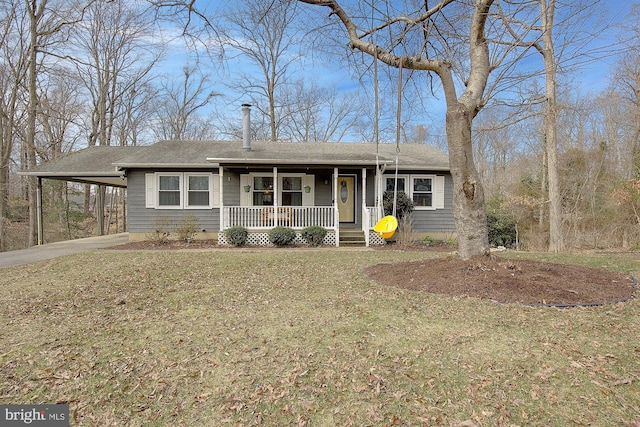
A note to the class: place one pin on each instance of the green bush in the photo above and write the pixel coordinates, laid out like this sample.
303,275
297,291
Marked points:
428,240
281,236
502,229
314,235
236,235
404,204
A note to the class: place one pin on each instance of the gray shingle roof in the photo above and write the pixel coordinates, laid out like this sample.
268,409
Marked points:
106,164
203,153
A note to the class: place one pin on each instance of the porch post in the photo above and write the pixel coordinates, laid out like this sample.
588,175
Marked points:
39,212
335,206
364,210
275,192
221,196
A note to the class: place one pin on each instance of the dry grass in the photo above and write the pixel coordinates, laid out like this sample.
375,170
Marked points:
302,337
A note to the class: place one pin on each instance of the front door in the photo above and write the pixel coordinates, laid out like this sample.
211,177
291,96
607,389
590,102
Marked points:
347,198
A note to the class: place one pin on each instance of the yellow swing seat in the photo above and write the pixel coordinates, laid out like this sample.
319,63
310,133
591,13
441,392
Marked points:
386,227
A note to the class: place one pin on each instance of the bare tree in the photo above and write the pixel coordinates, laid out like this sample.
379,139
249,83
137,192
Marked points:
48,23
13,72
263,34
439,48
181,101
113,57
319,114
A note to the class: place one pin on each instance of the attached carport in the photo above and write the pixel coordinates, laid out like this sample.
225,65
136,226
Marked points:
93,165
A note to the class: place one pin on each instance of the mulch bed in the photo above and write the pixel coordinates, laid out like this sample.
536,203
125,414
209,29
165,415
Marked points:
492,278
509,281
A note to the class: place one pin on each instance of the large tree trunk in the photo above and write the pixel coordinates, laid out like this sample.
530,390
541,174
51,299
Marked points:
468,195
556,243
31,125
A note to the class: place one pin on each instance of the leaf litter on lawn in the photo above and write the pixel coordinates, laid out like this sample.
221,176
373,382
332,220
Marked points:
303,338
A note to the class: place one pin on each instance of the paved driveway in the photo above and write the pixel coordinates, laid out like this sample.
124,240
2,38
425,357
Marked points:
53,250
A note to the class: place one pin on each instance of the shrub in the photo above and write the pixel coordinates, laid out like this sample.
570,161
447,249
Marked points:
502,229
314,235
428,240
404,204
187,227
236,235
162,227
281,236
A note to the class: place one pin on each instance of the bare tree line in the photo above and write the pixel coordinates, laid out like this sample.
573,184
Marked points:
99,80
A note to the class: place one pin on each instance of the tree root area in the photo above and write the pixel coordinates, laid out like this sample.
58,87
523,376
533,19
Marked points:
509,281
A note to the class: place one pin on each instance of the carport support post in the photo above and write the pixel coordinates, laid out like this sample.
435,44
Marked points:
39,212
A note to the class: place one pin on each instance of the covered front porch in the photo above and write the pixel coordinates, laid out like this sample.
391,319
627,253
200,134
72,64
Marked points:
336,199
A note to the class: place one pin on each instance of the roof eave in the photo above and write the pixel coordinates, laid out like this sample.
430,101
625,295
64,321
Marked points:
244,161
122,166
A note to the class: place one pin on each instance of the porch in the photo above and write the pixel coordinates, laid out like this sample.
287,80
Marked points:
260,219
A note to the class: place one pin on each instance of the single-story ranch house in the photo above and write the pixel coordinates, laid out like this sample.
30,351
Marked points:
260,185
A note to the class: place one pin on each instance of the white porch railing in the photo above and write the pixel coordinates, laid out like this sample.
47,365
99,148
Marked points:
264,217
373,214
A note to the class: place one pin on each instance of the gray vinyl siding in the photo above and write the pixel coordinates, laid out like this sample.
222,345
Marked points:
146,220
439,220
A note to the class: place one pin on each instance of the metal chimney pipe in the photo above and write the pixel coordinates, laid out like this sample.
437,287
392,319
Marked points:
246,127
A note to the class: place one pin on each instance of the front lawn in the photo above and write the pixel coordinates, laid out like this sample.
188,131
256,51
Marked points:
304,337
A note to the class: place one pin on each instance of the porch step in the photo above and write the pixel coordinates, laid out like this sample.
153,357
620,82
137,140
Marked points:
352,238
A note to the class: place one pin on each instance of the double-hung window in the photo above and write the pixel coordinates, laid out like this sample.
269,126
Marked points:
198,191
285,189
169,191
426,191
179,190
422,192
391,181
291,191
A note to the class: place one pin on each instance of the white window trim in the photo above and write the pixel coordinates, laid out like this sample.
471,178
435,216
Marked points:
279,185
407,179
436,180
433,192
153,190
180,176
186,190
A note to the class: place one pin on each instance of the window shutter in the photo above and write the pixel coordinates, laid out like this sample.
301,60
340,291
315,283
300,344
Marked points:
215,193
150,190
245,197
438,202
308,198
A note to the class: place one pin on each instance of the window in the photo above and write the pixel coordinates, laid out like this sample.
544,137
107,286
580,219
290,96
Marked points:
169,191
292,191
390,183
198,193
422,192
426,191
262,191
181,190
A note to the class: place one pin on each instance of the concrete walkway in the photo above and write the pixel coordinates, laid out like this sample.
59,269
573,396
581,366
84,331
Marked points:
53,250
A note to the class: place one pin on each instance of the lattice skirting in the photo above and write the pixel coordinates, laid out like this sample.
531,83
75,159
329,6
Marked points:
375,239
261,238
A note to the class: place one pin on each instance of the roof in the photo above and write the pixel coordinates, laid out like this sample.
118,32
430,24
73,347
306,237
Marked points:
94,165
108,165
206,153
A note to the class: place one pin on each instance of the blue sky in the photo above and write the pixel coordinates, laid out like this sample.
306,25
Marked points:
590,78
